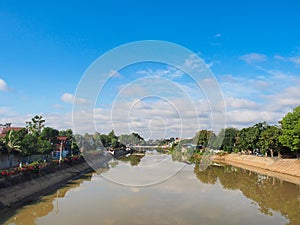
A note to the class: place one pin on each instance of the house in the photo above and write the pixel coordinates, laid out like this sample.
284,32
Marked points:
4,128
63,145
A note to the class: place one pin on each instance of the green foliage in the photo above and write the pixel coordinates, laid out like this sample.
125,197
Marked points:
45,146
248,138
50,135
36,125
66,133
29,145
269,140
290,124
105,140
133,159
12,142
204,138
229,136
131,139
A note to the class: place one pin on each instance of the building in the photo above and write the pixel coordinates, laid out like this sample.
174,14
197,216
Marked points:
4,128
63,145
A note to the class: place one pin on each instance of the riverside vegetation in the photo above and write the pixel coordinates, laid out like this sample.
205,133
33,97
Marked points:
279,140
282,140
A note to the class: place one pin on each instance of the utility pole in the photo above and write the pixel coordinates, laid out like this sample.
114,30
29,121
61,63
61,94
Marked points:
60,152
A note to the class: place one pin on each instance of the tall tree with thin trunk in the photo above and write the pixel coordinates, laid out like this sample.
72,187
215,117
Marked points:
35,125
269,140
12,143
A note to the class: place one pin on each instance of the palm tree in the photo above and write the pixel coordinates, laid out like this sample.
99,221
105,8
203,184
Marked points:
11,143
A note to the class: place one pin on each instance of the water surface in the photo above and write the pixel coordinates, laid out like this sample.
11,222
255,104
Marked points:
218,195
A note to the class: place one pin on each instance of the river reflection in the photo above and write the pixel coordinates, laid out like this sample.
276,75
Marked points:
28,214
267,192
218,195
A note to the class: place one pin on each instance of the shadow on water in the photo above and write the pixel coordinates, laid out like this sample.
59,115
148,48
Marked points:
268,193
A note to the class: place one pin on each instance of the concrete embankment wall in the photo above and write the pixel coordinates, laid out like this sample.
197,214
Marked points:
25,191
287,169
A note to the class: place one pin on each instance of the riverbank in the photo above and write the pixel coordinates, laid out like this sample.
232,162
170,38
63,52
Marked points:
285,169
19,194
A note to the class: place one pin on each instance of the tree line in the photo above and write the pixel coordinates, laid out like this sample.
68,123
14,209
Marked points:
283,138
111,140
35,138
261,138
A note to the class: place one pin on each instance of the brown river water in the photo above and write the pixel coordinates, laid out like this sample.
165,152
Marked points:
155,189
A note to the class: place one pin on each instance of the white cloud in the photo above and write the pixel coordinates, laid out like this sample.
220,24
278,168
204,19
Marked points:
4,111
55,120
295,60
3,86
151,119
284,100
192,63
253,58
240,103
265,97
181,117
69,98
169,72
114,73
241,118
57,106
217,35
279,57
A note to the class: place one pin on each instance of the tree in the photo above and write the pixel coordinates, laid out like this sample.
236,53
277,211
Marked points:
67,133
131,139
29,145
45,146
229,138
113,139
70,143
269,140
105,140
11,143
290,124
204,138
35,125
50,135
248,138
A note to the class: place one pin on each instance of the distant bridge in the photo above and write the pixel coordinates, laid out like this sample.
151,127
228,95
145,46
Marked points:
145,146
140,148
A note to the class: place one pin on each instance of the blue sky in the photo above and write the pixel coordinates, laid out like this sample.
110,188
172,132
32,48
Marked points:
252,47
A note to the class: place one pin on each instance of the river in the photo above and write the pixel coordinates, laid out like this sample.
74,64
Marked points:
155,189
